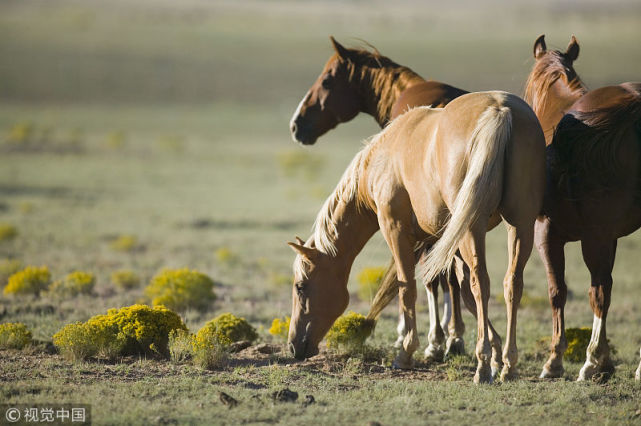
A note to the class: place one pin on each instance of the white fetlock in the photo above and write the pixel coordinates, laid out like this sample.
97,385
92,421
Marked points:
434,353
587,371
455,346
399,342
483,375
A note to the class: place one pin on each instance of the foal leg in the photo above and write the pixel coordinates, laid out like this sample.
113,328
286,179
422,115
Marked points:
472,248
599,257
447,300
550,247
637,375
520,241
434,351
457,274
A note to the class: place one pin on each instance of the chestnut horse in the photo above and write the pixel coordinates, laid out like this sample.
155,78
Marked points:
354,81
593,191
480,158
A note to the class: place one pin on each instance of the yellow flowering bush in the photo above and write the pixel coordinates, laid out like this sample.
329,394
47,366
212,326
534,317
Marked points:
8,267
31,280
136,329
124,243
349,331
369,279
14,336
181,289
226,329
77,282
21,133
7,232
225,255
280,328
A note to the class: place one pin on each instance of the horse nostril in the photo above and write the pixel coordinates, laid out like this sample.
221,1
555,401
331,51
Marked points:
293,127
292,349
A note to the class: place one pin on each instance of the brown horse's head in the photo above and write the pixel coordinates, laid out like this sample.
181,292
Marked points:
331,100
551,67
319,297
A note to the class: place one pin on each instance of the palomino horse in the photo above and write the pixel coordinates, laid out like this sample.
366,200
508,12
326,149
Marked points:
353,81
592,195
480,158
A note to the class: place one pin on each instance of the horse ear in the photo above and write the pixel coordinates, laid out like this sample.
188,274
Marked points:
343,53
300,241
539,46
307,252
572,51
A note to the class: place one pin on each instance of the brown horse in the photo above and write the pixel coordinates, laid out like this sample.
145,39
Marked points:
593,191
480,158
354,81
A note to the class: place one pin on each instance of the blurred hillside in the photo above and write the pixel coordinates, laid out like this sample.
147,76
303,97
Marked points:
269,52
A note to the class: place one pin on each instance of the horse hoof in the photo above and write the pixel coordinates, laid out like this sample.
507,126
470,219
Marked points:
455,346
434,353
483,375
403,362
552,371
509,374
587,371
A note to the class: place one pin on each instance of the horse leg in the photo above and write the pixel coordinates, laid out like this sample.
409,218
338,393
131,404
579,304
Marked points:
520,241
550,247
436,337
455,344
599,257
447,301
398,236
637,375
472,248
494,337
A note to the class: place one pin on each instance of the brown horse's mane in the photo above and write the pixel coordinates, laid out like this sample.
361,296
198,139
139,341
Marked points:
545,73
385,78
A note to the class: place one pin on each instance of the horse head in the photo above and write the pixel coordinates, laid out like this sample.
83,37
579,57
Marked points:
331,100
319,297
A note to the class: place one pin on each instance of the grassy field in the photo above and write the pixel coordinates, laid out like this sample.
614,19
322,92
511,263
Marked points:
169,122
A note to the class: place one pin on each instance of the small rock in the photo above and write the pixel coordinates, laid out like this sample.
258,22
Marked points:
267,349
285,395
227,400
373,424
239,346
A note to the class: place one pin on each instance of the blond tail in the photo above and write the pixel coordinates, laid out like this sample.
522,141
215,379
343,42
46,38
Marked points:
482,187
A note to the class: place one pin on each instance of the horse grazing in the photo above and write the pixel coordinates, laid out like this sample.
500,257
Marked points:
480,158
593,191
354,81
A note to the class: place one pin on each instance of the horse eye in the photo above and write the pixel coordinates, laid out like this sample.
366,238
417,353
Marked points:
299,290
327,82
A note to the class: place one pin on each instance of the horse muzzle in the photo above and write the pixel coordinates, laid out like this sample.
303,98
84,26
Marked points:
303,350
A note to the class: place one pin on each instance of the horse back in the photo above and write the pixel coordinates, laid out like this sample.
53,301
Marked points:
428,93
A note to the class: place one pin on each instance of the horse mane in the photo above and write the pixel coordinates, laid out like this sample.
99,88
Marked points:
386,78
586,144
324,232
545,73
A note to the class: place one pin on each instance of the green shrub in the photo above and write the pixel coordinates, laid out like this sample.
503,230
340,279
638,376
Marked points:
7,232
125,279
181,289
133,330
14,336
349,332
31,280
369,279
280,328
75,283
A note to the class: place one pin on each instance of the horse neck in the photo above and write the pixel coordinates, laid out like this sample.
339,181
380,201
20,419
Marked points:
558,99
354,226
380,87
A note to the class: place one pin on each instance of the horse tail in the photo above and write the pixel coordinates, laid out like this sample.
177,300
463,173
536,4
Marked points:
482,185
